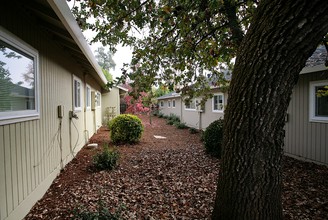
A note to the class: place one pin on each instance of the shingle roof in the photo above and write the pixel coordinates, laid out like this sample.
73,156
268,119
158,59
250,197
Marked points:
169,95
318,57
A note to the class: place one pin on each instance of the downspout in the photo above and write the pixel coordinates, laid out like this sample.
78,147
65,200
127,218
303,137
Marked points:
85,107
86,132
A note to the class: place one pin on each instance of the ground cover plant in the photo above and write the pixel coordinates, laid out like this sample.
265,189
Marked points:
170,178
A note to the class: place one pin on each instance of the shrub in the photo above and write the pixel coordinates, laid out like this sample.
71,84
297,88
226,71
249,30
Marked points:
170,122
126,128
102,213
180,125
107,159
193,131
212,138
173,118
160,115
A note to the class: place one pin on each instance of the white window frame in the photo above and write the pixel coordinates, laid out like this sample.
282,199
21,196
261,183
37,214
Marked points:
218,110
191,109
98,102
173,103
312,116
24,115
88,97
161,103
169,103
77,108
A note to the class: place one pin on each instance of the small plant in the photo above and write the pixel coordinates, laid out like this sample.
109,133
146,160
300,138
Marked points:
173,118
193,131
102,213
107,159
180,125
160,115
125,128
170,122
212,138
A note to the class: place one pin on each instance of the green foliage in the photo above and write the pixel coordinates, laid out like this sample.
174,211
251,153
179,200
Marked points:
102,213
213,137
125,128
160,115
107,159
105,59
193,131
174,118
180,125
108,75
160,91
322,92
186,40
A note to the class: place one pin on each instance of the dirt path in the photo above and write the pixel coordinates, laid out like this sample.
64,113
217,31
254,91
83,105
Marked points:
169,178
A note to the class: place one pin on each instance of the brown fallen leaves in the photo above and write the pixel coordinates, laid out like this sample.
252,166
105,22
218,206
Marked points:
168,178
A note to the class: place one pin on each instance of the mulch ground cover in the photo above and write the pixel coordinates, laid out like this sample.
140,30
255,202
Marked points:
171,178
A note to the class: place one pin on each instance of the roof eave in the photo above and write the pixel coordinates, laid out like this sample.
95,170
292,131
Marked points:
63,12
312,69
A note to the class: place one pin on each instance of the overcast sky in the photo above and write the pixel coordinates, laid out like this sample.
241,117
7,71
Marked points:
122,55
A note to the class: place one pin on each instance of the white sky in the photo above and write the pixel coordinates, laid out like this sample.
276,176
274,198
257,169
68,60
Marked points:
122,55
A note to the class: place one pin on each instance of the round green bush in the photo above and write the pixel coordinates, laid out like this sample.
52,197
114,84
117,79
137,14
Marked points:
125,128
212,137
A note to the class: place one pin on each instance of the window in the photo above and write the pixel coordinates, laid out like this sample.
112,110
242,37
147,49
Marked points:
19,84
218,103
77,94
162,103
169,103
88,97
98,99
319,101
191,105
173,103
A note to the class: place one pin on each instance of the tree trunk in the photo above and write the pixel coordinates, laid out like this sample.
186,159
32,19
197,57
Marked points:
283,34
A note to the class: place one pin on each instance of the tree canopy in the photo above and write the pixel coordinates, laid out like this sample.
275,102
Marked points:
174,42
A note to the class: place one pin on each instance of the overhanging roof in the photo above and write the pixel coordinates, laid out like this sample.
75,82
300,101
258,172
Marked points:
56,18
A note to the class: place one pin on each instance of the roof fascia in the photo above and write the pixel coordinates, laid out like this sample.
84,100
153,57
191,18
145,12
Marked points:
63,12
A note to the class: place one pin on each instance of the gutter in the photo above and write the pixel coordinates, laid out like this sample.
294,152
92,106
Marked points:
311,69
63,12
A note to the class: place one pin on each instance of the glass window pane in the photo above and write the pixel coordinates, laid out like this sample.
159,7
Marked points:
17,79
321,101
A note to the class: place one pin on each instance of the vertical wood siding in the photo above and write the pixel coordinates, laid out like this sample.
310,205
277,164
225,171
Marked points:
305,139
30,151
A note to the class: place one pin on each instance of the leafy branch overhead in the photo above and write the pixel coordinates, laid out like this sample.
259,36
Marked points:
174,42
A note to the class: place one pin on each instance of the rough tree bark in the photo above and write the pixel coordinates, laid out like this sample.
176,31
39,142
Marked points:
283,34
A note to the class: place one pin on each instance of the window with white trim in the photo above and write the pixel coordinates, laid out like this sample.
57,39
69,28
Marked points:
173,103
19,84
77,99
191,105
88,97
169,103
98,99
218,102
161,103
319,101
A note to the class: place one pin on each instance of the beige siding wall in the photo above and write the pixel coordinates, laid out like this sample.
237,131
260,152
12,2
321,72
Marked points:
193,118
31,153
109,100
305,139
166,110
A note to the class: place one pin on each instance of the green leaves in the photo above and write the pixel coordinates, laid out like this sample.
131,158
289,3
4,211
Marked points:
173,41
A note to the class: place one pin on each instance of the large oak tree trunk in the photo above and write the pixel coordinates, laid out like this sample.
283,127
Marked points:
283,34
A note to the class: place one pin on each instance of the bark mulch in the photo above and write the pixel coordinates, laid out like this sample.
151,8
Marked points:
170,178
